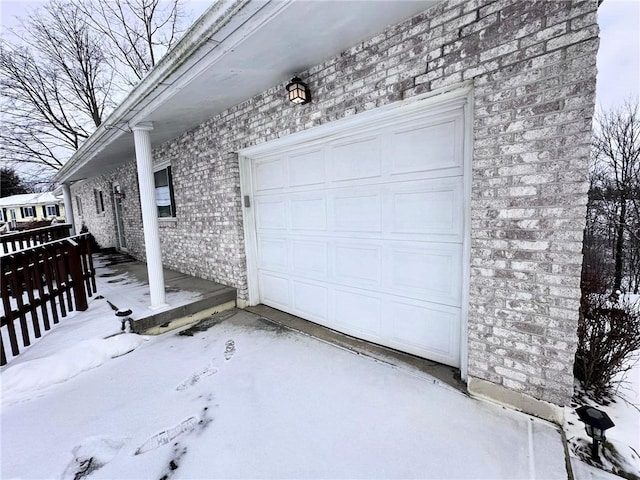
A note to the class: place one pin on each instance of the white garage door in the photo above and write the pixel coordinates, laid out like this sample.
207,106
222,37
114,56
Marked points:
363,231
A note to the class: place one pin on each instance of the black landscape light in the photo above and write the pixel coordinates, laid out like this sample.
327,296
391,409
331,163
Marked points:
298,91
595,423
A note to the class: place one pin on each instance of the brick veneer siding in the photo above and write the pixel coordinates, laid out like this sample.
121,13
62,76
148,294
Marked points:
103,226
532,65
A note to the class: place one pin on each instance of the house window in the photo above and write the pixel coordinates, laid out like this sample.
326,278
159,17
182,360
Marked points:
164,193
99,201
79,205
51,211
2,218
27,212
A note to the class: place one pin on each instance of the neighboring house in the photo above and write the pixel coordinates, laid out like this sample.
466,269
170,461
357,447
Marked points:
31,208
430,197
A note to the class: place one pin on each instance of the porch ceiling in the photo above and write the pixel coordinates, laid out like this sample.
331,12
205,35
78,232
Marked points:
236,50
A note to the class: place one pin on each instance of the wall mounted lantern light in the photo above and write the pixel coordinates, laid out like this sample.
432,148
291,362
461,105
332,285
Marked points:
118,194
595,423
298,91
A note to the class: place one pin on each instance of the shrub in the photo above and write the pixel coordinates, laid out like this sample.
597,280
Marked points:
92,241
608,338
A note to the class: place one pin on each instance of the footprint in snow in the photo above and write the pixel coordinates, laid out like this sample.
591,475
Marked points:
174,463
164,437
196,377
91,455
229,349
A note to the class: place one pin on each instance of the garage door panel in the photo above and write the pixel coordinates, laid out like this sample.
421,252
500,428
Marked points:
422,327
357,212
424,271
274,290
310,258
355,160
307,168
272,254
271,213
308,213
311,300
357,264
430,207
419,149
357,312
270,174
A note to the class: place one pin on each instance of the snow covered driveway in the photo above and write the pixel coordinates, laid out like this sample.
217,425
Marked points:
246,398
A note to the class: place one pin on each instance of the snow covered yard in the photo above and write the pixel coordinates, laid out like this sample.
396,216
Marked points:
245,398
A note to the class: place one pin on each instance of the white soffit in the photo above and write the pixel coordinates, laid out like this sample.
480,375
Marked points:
261,46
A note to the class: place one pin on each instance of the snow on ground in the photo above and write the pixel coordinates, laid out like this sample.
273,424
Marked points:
247,399
123,291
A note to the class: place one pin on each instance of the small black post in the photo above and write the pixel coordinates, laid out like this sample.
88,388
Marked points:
594,450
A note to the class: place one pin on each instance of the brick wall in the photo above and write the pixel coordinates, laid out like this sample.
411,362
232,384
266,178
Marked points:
532,65
103,226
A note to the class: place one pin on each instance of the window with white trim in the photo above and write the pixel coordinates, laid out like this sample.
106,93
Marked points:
79,205
52,211
99,200
164,192
27,212
2,218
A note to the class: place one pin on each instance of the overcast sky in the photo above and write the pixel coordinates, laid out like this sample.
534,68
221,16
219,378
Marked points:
618,58
619,54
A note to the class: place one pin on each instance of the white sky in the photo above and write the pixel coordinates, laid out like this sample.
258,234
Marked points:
619,54
618,58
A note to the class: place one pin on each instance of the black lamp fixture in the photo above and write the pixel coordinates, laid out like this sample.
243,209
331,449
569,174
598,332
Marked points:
595,423
118,193
298,91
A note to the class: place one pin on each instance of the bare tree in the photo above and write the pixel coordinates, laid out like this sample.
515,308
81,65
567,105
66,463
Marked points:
55,86
614,197
65,68
136,32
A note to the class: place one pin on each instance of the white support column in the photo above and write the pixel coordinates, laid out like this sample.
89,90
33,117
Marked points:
68,207
144,162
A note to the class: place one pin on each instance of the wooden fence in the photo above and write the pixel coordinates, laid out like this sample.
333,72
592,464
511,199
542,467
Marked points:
12,242
40,285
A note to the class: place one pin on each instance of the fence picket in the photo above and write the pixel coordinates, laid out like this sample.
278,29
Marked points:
6,302
28,283
37,275
62,274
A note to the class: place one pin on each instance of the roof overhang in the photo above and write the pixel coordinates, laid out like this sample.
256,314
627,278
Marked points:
235,50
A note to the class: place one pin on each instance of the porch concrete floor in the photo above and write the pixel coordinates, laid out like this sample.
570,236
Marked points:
187,297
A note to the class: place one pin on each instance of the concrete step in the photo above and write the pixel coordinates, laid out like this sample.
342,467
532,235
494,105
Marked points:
221,299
